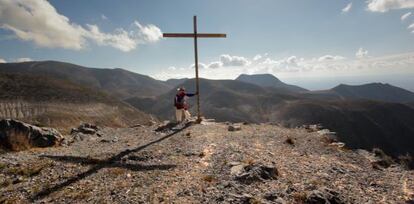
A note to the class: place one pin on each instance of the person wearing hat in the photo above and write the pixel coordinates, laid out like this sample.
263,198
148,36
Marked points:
181,106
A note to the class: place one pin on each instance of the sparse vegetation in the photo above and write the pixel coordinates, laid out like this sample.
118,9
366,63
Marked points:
406,161
249,161
290,141
328,139
27,170
5,183
117,171
299,197
209,178
2,165
202,154
383,159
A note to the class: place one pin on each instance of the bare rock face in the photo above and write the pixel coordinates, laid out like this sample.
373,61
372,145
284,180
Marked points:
253,172
16,135
324,196
85,128
233,128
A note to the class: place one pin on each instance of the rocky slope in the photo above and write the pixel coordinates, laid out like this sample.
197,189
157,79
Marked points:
61,104
360,124
202,164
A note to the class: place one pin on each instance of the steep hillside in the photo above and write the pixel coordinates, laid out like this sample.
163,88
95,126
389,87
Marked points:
117,82
360,124
411,104
61,103
202,164
268,80
374,91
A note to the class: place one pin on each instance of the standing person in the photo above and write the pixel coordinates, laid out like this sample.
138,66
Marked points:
181,106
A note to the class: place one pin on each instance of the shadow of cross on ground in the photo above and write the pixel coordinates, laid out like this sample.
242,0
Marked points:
111,162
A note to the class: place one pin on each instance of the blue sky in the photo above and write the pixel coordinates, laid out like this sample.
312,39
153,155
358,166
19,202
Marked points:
315,43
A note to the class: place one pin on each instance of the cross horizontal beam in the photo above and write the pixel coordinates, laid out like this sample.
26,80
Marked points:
192,35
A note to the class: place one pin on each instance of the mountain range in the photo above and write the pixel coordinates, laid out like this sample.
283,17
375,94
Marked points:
364,116
117,82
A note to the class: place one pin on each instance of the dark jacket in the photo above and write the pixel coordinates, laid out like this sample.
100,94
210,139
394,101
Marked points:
179,100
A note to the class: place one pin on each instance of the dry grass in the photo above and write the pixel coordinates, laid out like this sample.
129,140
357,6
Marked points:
406,161
2,165
299,197
117,171
27,170
79,195
249,161
328,139
10,200
5,183
209,178
385,160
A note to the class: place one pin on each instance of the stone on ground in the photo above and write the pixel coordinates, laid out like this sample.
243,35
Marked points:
16,135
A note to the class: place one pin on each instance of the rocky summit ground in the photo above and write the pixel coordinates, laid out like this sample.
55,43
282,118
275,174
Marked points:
204,163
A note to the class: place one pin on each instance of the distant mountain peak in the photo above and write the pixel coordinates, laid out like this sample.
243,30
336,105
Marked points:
268,80
261,76
374,91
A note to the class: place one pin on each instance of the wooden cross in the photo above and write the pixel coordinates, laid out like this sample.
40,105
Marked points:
195,35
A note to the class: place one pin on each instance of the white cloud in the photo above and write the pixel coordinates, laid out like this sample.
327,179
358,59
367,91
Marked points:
215,65
405,16
200,66
386,5
148,33
411,26
257,57
347,8
361,53
228,61
24,59
38,21
103,17
330,57
292,60
3,60
297,66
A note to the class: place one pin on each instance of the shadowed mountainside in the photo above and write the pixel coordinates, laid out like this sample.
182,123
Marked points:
61,104
117,82
359,123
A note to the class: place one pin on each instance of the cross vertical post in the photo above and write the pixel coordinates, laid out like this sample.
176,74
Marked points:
195,35
196,69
